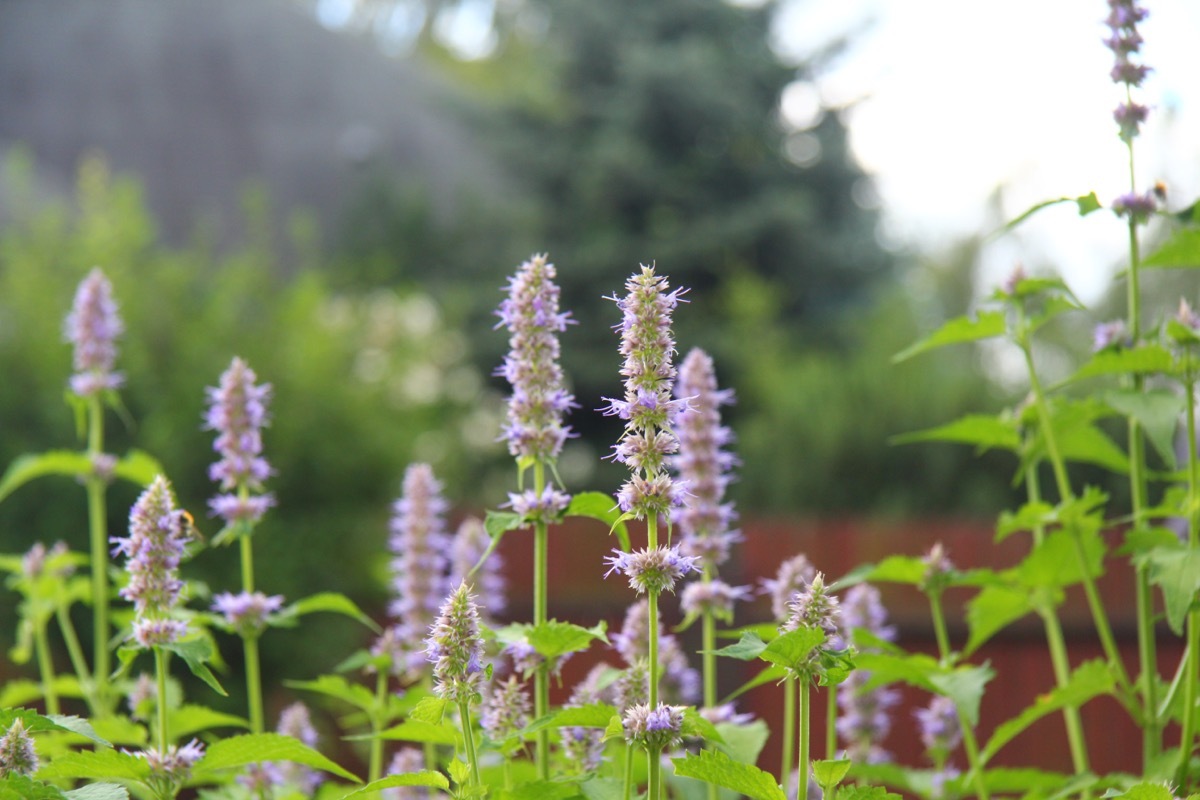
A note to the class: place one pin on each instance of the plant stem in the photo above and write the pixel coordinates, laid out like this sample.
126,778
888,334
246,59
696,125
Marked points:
831,724
45,666
375,764
160,675
250,644
652,632
653,773
802,757
541,678
968,733
76,654
628,793
789,731
464,711
709,664
1191,676
98,533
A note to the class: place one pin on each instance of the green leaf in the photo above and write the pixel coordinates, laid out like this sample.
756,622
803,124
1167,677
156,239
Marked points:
426,777
830,773
1086,204
189,719
431,710
791,648
743,742
98,791
254,748
771,674
138,467
860,792
748,648
964,685
1090,680
334,603
697,727
985,431
23,469
986,325
593,715
196,653
540,790
77,725
1181,249
1157,411
1141,360
553,638
602,507
97,764
893,569
22,787
339,688
713,766
459,770
35,723
498,523
418,731
1176,571
1031,516
993,609
1054,563
1146,791
601,788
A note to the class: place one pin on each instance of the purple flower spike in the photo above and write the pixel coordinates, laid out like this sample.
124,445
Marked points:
814,607
470,542
168,770
656,729
1110,334
295,721
17,754
940,729
865,720
654,570
406,760
237,411
647,344
703,464
154,549
246,612
506,709
712,597
455,647
547,507
535,411
1138,207
419,545
93,327
793,576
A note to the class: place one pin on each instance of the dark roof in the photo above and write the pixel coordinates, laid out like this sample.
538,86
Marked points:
199,97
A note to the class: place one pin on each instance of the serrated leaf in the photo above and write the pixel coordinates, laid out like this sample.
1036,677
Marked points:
553,639
893,569
1031,516
196,653
713,766
791,648
1146,791
1176,571
97,764
748,648
22,787
498,523
830,773
593,715
860,792
1142,360
121,730
1054,563
1156,411
254,748
602,788
339,688
431,710
332,602
540,790
98,791
602,507
1090,680
964,685
986,325
77,725
743,742
189,719
459,770
993,609
697,727
138,467
985,431
35,723
1181,249
414,730
426,777
23,469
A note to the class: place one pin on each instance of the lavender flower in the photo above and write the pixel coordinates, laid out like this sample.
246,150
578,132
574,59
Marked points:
93,327
938,568
583,748
506,709
53,563
1186,316
455,647
726,713
237,411
154,547
142,695
702,463
865,720
712,597
1110,334
467,549
1137,207
419,545
17,753
169,769
656,729
547,507
652,570
814,607
632,686
940,729
647,344
539,402
295,721
406,760
1125,42
793,576
246,612
680,681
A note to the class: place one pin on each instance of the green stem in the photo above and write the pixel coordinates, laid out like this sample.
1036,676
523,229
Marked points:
464,711
45,666
250,645
653,774
375,764
78,662
652,633
1190,678
789,732
970,745
831,725
541,678
802,757
709,665
628,773
98,534
939,627
160,674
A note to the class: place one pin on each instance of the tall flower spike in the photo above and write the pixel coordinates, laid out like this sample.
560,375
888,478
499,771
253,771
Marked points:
703,463
814,607
793,576
583,748
154,549
17,753
506,709
470,542
93,327
648,345
419,545
455,647
295,721
237,411
539,402
865,720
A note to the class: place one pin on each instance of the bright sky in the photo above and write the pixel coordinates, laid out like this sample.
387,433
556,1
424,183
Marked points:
955,97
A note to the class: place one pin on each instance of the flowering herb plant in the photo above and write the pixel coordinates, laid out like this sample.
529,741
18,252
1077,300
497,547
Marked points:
462,702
